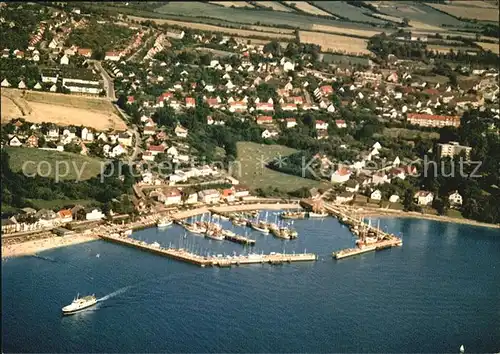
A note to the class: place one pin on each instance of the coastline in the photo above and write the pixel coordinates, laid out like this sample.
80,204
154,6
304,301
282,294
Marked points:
34,246
416,215
29,248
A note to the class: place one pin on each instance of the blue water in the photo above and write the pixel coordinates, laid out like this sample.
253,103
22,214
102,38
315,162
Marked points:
438,291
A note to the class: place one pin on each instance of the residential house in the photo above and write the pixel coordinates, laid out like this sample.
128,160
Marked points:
380,178
269,133
241,191
64,60
342,175
290,122
190,102
455,199
181,132
452,149
264,120
65,215
125,138
94,215
192,198
173,196
352,186
228,195
340,123
429,120
321,125
32,141
394,198
112,56
15,142
118,150
376,195
209,196
344,197
424,197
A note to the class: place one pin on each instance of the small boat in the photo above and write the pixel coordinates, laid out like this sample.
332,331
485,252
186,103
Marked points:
228,233
318,215
292,215
260,226
214,235
79,304
98,255
462,349
155,245
164,222
127,232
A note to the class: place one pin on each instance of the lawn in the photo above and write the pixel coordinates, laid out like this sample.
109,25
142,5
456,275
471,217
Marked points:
253,157
409,134
47,162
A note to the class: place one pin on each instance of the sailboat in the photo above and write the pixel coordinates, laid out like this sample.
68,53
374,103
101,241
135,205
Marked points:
260,225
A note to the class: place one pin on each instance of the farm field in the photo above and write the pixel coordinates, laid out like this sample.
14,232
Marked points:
343,9
232,3
308,8
89,166
388,18
272,29
475,3
417,12
473,13
489,46
366,33
334,42
275,5
445,49
243,16
61,109
254,175
213,28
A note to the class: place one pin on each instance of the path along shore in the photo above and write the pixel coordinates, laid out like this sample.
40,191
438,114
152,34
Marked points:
387,213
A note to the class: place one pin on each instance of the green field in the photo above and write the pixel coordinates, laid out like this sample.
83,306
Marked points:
47,163
250,16
253,157
408,134
343,9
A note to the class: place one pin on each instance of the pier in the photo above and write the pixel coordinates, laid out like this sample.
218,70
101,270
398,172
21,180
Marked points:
380,240
202,261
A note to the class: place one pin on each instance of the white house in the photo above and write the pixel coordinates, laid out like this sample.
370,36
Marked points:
181,132
15,142
394,198
352,186
341,175
266,134
376,195
5,83
455,199
64,60
423,197
94,215
209,196
118,150
173,196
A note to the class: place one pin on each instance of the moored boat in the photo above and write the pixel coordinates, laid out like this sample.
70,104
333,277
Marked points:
260,226
318,215
293,215
79,304
164,222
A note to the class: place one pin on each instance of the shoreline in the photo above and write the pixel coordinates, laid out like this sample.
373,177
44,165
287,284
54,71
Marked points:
32,247
29,248
416,215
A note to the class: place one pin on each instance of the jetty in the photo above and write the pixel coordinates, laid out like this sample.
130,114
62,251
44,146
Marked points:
370,238
183,255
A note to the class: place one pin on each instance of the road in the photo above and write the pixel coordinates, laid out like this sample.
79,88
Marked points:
108,81
132,57
132,130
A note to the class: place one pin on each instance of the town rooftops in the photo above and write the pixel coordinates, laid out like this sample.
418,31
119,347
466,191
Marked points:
432,117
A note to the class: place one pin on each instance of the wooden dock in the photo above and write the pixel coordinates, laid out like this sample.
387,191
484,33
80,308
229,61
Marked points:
186,256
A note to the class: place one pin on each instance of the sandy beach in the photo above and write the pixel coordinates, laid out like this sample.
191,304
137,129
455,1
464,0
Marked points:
31,247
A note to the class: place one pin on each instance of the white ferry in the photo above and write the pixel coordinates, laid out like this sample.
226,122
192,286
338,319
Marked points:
79,304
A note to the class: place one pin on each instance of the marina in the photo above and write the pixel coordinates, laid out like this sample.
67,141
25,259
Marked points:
210,261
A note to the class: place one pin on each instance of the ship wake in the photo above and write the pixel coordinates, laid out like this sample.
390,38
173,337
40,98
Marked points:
113,294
